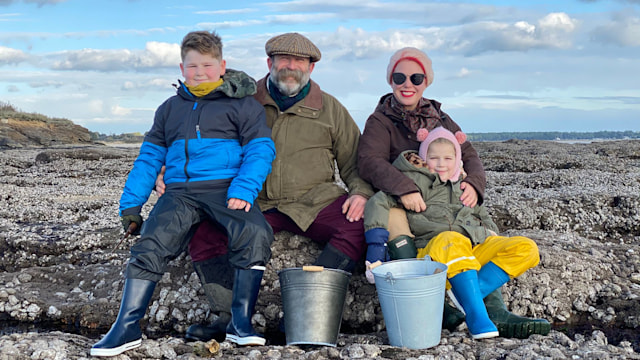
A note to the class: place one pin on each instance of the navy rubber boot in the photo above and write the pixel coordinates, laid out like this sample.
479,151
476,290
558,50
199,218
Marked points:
125,333
376,244
245,295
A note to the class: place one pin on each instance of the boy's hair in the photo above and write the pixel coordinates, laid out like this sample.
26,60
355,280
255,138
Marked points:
203,42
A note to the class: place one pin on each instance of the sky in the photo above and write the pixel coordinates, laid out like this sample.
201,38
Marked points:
500,66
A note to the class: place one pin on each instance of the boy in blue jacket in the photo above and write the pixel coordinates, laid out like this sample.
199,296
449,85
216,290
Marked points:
213,139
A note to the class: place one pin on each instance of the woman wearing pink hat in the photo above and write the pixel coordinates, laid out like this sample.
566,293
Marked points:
392,129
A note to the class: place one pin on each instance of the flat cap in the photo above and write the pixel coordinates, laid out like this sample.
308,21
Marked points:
292,44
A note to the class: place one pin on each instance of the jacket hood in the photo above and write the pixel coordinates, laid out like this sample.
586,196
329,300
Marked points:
405,165
237,84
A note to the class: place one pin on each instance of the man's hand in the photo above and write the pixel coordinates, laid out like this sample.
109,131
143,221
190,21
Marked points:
469,195
413,202
160,186
128,219
237,204
353,207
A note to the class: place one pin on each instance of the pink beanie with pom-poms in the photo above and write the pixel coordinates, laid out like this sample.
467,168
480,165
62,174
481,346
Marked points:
427,137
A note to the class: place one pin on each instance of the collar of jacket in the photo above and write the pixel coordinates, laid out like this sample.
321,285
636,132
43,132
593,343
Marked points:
237,84
310,106
395,116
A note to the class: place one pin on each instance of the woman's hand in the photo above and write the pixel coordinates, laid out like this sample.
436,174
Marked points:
160,185
469,195
413,202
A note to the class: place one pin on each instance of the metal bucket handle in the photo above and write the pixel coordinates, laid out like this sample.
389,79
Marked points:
389,278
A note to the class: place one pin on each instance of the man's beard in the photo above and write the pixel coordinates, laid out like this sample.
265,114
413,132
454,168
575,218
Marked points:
287,87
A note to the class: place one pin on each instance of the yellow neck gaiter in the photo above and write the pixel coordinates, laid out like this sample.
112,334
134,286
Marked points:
203,89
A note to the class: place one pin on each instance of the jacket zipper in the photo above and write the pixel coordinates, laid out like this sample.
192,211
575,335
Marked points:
186,141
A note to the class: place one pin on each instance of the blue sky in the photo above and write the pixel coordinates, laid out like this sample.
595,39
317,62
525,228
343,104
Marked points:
499,65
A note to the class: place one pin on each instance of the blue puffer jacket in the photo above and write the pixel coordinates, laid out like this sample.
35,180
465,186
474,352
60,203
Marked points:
220,139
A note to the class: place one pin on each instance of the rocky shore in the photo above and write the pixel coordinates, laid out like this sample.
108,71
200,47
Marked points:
61,276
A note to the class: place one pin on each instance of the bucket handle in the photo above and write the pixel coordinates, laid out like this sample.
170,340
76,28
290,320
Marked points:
313,268
389,278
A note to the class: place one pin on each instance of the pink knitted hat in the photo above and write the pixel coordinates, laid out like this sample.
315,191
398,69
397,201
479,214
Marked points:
427,138
413,54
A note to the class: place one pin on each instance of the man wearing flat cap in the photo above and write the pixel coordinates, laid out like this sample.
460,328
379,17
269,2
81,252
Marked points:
313,133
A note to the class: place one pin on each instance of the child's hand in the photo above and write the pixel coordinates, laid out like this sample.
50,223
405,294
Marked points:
413,202
237,204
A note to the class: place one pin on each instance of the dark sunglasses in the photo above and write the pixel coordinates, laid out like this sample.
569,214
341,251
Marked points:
400,78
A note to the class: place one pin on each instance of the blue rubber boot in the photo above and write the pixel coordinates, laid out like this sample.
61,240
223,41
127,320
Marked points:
467,292
376,239
125,333
491,277
246,286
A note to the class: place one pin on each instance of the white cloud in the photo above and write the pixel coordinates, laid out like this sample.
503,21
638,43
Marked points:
146,84
226,12
40,3
553,31
11,56
623,30
300,18
46,84
464,72
155,55
95,106
229,24
120,111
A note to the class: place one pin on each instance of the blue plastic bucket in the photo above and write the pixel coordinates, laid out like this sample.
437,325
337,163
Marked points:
411,294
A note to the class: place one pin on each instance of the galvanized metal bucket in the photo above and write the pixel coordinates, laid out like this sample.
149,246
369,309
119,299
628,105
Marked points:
313,300
411,294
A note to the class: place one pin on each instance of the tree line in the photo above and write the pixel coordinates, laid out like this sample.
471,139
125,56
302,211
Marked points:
554,135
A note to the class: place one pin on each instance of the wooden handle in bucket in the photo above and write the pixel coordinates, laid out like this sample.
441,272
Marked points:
312,268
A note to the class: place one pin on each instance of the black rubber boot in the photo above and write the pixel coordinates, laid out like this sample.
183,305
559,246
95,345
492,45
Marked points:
333,258
245,295
125,333
452,317
509,324
402,247
216,276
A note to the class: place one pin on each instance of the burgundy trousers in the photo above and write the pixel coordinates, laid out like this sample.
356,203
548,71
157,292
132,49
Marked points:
330,227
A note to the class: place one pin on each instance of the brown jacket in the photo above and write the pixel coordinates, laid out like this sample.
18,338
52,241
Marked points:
385,137
310,137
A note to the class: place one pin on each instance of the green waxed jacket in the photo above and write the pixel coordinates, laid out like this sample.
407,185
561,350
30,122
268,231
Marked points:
311,137
445,211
